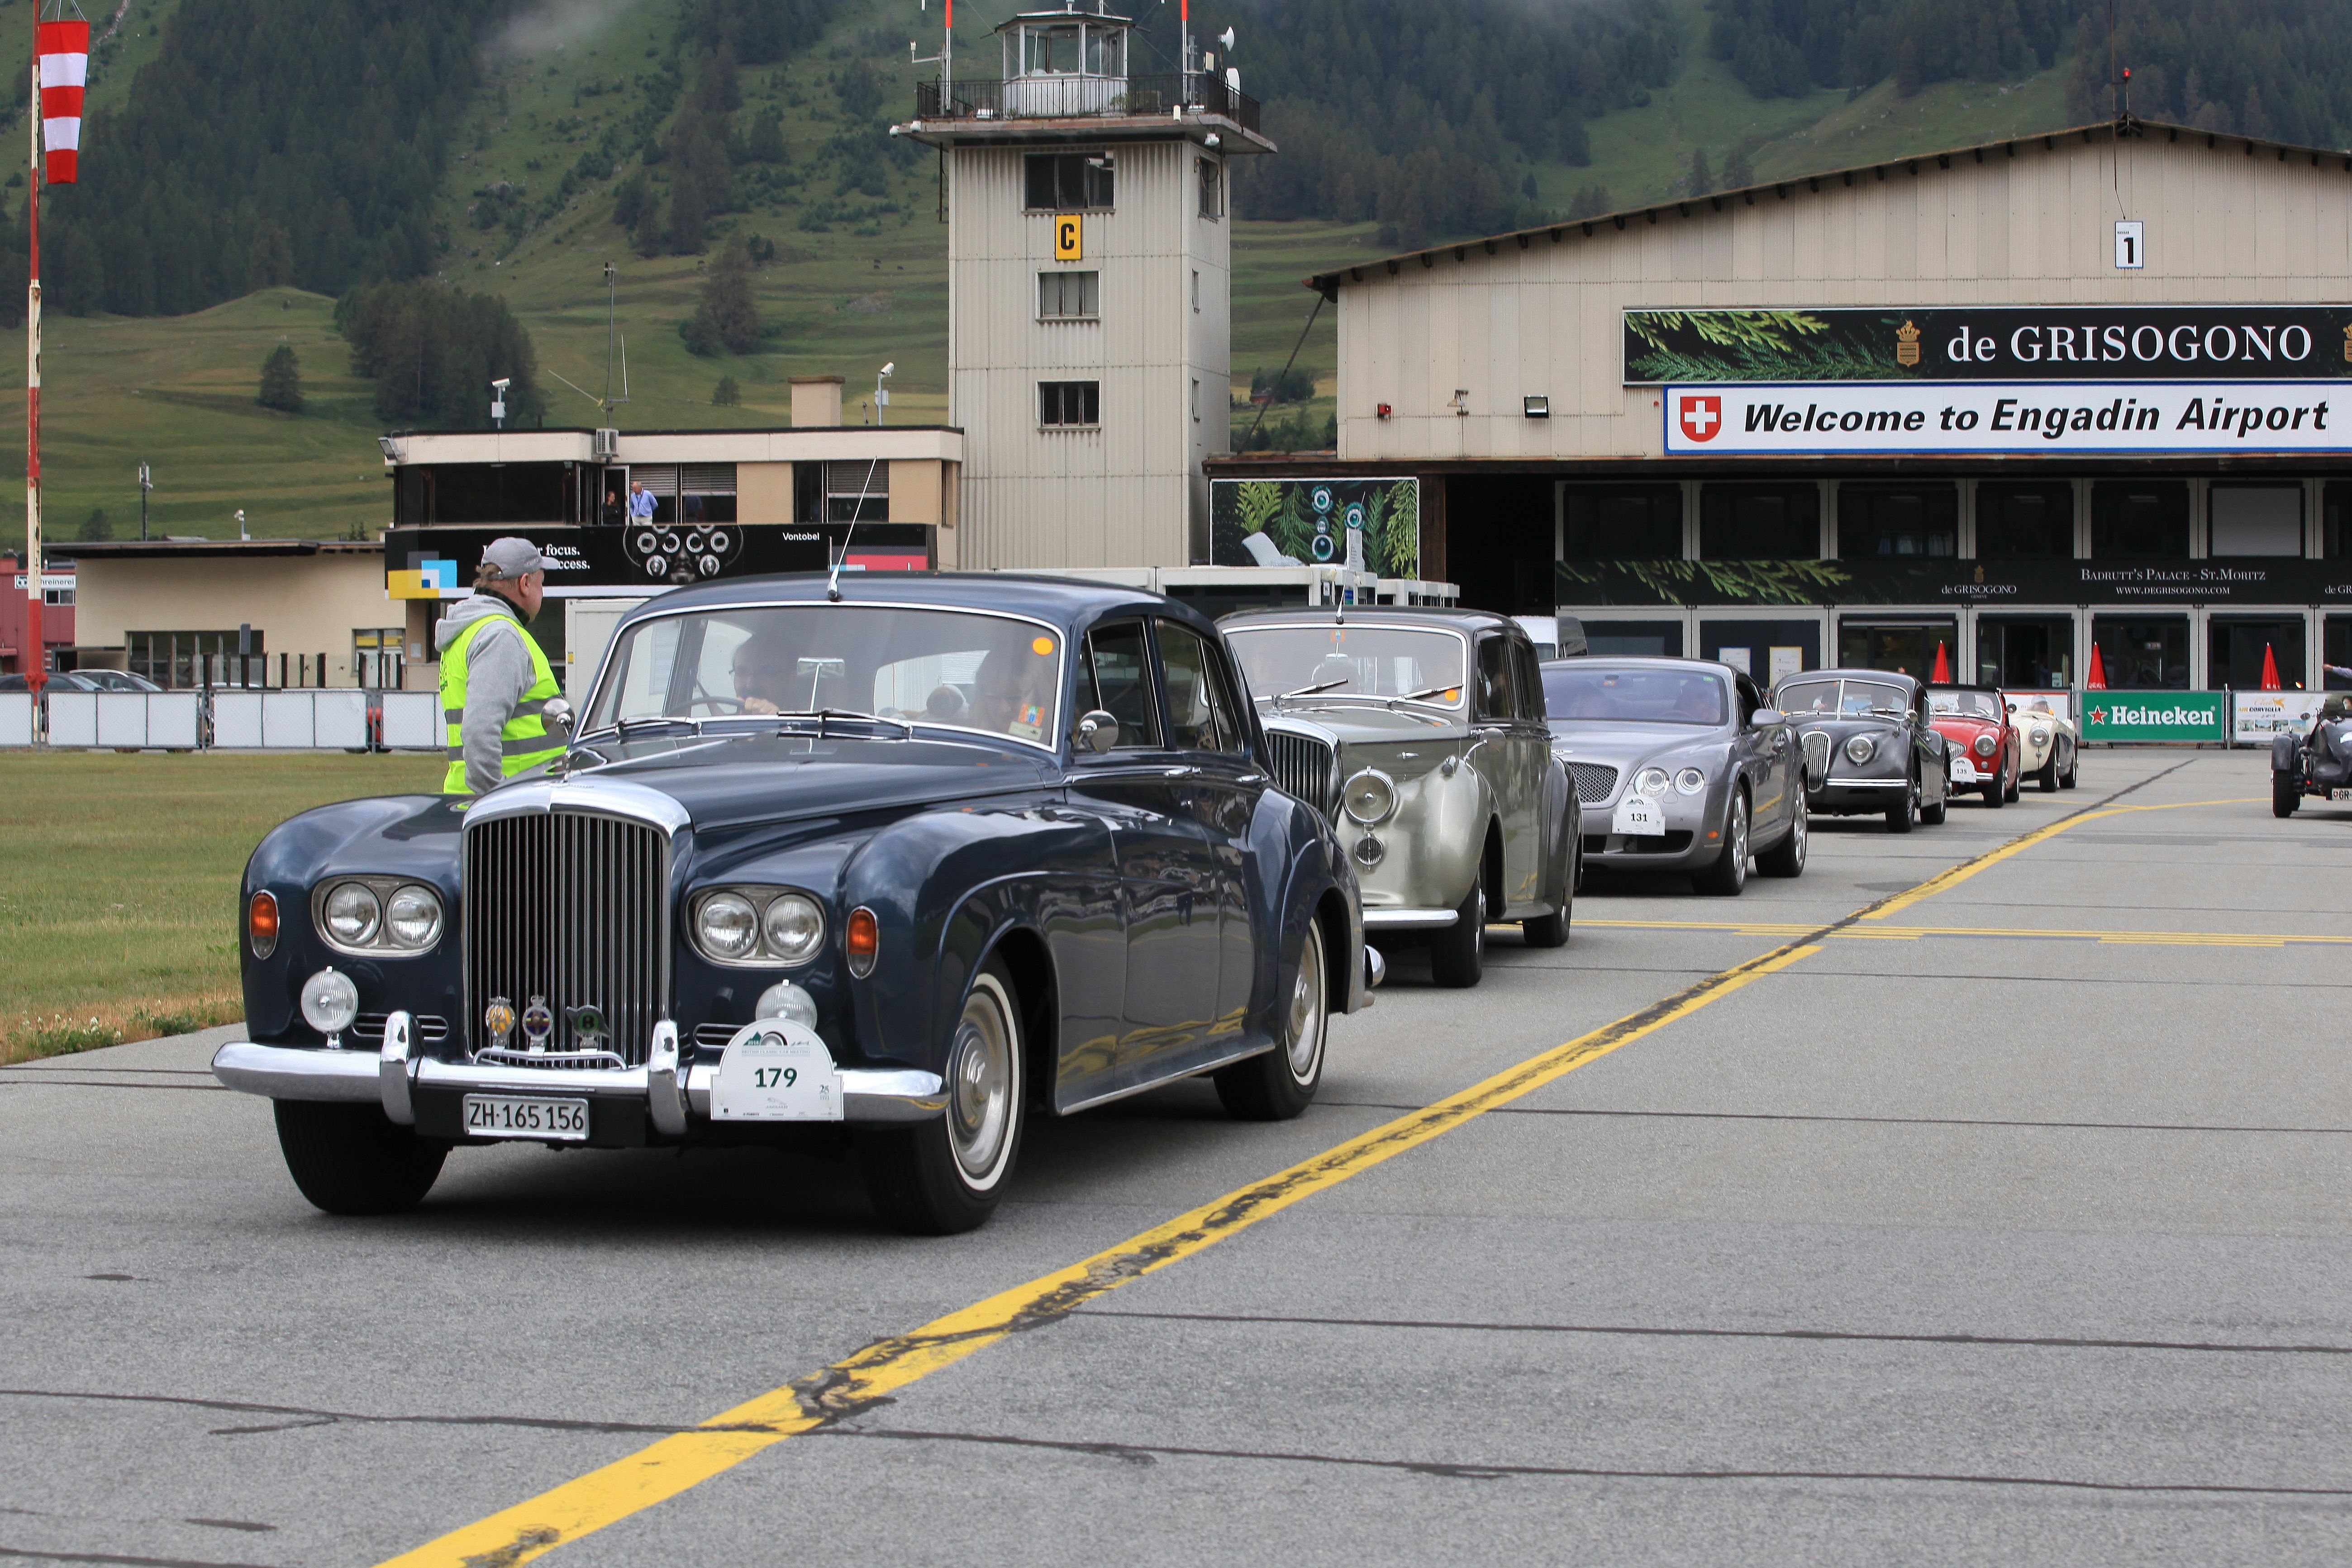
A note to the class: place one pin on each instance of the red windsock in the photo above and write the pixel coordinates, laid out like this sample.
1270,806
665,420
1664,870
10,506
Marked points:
64,48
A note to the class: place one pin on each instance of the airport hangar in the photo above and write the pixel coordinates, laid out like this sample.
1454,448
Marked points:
2016,399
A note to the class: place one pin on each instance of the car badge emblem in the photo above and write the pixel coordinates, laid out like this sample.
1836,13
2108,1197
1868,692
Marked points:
499,1021
538,1024
587,1025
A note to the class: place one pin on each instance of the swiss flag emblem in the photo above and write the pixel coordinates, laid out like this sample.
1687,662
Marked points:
1702,415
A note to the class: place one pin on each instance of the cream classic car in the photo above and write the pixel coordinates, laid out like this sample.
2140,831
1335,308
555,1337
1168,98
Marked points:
2048,743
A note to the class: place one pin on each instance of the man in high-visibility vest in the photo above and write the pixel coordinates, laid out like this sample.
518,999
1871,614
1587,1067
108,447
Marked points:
495,681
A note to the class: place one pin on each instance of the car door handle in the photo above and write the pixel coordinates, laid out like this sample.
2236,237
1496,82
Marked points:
1179,773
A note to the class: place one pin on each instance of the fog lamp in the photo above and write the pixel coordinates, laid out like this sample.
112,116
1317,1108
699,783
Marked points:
787,1001
329,1003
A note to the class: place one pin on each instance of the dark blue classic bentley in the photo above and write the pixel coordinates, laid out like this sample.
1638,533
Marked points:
919,860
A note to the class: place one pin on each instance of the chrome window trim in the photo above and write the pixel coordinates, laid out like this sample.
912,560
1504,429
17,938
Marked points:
1061,659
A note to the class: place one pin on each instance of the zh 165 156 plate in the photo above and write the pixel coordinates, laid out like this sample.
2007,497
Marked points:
512,1117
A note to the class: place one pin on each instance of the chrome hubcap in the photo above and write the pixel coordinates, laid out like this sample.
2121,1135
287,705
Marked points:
980,1109
1306,1008
1739,840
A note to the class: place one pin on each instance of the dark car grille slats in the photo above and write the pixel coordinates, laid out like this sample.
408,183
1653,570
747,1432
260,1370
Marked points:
571,906
1595,781
1305,767
1817,753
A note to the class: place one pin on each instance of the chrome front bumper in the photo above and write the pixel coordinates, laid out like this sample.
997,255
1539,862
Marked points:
387,1078
1408,919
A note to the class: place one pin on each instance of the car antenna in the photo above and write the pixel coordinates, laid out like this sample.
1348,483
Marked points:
833,583
1339,604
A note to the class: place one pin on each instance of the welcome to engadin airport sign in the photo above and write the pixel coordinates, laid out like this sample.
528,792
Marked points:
1793,419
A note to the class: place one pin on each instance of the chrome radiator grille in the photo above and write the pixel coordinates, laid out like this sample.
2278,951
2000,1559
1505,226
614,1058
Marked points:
573,907
1594,781
1817,753
1307,767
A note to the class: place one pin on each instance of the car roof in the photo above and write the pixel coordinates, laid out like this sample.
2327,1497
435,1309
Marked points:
1893,678
1644,662
1070,600
1381,615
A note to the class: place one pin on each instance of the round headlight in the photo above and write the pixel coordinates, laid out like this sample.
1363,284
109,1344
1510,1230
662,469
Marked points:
794,928
1368,797
2041,736
330,1002
1861,748
1986,746
785,1001
727,925
353,914
1690,781
1651,781
412,918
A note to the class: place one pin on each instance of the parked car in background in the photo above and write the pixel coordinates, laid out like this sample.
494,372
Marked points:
58,680
2048,751
896,872
1869,746
116,681
1681,765
1418,735
1986,749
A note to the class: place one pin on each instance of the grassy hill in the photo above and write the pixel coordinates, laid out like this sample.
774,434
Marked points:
860,278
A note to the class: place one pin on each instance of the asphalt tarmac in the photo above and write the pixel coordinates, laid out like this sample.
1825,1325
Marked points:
2011,1222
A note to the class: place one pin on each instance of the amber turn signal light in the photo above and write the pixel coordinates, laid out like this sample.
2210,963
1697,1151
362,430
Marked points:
261,924
862,940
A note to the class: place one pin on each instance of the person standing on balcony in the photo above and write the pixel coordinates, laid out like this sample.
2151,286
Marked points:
495,679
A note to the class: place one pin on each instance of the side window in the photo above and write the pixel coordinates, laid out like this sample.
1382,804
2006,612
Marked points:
1530,678
1494,684
1748,699
1200,708
1118,680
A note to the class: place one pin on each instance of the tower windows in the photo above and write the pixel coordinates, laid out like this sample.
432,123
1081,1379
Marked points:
1068,182
1213,189
1069,296
1069,402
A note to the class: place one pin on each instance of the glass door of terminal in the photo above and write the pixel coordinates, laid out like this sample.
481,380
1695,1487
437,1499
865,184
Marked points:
2143,653
2027,652
1766,650
1906,645
2236,643
1646,639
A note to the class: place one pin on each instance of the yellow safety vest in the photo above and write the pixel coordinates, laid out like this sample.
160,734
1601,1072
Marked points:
524,742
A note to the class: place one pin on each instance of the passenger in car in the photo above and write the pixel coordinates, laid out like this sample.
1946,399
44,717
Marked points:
764,668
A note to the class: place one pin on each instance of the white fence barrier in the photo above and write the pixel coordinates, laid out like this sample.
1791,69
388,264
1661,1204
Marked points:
304,720
73,718
412,721
16,718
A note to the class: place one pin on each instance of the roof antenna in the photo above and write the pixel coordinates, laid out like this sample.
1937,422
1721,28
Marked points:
832,585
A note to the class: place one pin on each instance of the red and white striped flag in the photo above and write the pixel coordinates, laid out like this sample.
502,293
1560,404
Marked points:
64,48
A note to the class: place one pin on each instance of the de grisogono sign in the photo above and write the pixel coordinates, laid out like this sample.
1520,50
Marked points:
2069,379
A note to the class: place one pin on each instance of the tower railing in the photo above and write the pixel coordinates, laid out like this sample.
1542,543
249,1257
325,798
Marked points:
1085,98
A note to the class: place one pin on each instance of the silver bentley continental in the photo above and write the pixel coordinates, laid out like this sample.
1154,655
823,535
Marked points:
1682,765
1419,733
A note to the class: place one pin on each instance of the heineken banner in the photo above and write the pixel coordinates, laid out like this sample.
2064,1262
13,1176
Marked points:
1788,419
1947,579
1992,343
2156,716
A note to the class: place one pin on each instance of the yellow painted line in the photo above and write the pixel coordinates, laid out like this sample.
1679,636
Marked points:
1960,874
685,1459
1913,933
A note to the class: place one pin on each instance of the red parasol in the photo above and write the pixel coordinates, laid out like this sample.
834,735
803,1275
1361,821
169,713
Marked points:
1943,675
2096,681
2271,682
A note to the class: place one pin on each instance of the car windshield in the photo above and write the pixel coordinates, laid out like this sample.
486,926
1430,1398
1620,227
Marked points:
1966,705
1839,699
1583,691
1358,660
957,668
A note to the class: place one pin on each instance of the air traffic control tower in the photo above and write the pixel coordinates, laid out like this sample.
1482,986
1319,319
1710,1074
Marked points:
1090,253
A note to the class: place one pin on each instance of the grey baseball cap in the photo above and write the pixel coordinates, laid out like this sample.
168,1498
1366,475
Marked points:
510,557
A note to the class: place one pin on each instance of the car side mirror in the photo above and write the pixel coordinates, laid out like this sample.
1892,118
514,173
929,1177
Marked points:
556,713
1097,731
1764,715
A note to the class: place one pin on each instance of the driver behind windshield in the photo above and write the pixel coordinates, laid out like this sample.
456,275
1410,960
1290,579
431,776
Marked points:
765,669
1009,694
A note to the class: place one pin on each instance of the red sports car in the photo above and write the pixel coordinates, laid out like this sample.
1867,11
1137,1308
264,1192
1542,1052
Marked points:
1985,748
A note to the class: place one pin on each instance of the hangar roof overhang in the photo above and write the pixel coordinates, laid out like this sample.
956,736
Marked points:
1328,284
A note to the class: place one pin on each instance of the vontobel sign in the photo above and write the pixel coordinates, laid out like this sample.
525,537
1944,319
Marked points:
2111,343
2154,715
1995,416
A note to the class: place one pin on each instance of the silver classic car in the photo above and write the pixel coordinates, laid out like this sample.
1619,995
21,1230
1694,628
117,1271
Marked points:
1680,766
1419,733
1869,746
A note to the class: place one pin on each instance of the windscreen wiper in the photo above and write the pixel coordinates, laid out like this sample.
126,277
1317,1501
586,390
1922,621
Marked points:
1310,691
822,714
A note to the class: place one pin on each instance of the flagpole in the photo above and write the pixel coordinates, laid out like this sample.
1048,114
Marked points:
36,656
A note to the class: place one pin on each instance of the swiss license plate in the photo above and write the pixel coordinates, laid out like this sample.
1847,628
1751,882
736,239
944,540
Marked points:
1638,816
509,1116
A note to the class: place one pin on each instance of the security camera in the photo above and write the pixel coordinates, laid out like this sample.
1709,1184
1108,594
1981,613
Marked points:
892,366
502,383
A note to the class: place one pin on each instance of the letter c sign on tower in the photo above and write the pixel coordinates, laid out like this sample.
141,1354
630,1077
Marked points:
1068,234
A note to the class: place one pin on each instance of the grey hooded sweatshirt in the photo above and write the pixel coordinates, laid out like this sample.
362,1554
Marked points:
498,673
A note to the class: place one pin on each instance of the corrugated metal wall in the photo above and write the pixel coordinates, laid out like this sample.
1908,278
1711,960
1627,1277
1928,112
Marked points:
2029,224
1129,492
